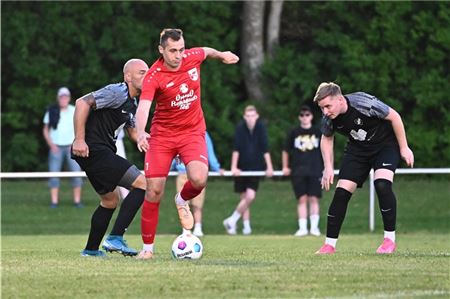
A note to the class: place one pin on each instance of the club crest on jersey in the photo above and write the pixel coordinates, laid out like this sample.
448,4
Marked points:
193,74
184,88
358,121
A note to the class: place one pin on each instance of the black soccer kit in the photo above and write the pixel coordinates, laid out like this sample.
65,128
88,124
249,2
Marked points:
303,146
371,139
114,110
251,145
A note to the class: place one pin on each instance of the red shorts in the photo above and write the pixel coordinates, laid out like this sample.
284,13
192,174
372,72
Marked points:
163,150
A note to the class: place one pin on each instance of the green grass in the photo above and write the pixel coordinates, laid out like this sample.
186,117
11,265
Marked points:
41,246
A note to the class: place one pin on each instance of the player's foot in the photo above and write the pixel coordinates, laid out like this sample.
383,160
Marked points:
185,215
78,205
315,232
326,249
231,229
118,244
387,247
197,232
301,233
246,231
145,255
94,253
53,205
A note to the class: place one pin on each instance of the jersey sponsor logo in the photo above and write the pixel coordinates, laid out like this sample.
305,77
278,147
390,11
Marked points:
306,142
358,135
358,121
184,88
193,74
183,102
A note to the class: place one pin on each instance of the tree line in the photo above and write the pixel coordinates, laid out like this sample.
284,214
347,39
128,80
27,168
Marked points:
397,51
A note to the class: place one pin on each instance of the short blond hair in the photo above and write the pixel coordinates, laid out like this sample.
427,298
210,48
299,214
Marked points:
250,108
326,89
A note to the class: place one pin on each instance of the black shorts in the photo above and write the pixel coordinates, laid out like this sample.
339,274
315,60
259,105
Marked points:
306,185
106,170
241,183
357,164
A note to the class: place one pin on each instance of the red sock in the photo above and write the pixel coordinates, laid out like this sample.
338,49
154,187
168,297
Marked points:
189,192
149,221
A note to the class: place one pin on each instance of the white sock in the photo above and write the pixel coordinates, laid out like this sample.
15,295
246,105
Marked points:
246,224
331,241
390,235
235,217
148,247
198,226
302,223
179,200
314,219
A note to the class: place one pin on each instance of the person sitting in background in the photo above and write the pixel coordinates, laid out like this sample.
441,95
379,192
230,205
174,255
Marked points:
198,201
58,133
302,160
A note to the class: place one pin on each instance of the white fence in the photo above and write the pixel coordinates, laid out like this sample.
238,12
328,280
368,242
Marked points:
19,175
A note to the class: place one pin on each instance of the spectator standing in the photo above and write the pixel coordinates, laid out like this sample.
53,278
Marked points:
58,133
302,160
250,154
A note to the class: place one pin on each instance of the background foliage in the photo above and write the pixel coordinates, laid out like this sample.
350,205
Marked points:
397,51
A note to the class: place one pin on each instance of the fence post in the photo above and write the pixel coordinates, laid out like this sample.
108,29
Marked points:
371,201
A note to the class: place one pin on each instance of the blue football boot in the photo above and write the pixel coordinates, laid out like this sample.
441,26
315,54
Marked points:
118,244
94,253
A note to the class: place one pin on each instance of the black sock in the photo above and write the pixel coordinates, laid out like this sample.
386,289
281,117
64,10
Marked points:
387,202
99,224
128,210
336,212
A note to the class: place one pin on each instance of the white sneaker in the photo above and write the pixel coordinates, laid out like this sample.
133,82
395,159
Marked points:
301,233
197,232
247,231
231,229
315,232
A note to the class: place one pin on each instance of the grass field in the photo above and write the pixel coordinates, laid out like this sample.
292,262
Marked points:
40,249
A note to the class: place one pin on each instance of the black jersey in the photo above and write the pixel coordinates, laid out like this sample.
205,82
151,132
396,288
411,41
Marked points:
251,146
303,146
114,110
363,123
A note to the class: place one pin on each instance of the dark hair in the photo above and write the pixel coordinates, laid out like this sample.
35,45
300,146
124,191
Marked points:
167,33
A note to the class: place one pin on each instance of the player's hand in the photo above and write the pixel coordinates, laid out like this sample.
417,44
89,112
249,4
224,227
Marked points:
408,156
229,57
286,171
142,142
236,171
54,148
327,178
80,148
221,171
269,172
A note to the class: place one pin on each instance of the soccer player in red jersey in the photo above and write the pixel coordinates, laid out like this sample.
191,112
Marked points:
177,128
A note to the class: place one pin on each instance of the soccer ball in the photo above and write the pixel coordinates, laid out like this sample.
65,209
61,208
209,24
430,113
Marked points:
187,246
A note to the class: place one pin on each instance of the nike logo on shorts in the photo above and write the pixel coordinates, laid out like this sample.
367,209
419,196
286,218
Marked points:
203,157
385,210
386,164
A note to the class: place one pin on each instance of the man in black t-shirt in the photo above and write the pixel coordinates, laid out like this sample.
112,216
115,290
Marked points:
99,117
376,139
250,153
301,159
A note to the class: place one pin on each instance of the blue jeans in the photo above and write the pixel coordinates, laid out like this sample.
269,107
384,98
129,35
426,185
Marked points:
55,164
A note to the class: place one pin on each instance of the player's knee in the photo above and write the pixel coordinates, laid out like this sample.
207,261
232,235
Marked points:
383,186
199,181
109,200
303,199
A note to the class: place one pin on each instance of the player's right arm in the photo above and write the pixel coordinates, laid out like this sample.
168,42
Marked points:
82,109
326,147
142,112
234,163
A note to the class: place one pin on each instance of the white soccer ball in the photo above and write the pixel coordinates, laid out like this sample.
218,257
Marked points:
187,246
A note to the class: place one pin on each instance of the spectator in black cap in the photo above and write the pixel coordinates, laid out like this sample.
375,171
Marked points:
302,160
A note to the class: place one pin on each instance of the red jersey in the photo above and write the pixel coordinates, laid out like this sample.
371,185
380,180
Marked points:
177,95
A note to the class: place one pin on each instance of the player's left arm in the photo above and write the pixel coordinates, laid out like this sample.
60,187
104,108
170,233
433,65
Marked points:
226,57
400,134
